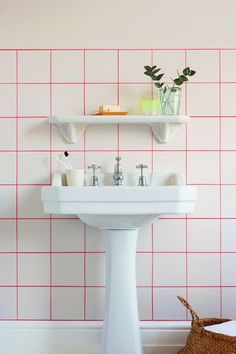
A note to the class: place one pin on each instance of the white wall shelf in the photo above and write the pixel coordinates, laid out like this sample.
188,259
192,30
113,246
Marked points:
73,127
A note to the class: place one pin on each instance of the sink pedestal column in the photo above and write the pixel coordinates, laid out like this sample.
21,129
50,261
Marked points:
121,324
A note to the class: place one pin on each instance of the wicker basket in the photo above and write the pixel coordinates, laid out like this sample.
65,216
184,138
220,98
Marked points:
202,341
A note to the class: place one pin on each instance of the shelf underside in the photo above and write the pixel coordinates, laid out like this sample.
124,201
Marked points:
72,127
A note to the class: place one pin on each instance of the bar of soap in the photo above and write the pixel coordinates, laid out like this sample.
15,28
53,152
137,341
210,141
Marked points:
109,108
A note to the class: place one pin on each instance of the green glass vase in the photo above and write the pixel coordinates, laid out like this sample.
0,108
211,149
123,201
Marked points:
170,101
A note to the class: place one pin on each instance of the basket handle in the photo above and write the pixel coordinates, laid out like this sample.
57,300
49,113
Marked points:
186,304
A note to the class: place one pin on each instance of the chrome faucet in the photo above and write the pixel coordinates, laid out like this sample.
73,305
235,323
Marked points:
118,175
94,178
142,179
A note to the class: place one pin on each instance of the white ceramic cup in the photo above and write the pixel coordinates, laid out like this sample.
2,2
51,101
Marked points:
75,177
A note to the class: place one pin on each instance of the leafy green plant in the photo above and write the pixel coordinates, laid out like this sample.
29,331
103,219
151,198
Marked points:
154,73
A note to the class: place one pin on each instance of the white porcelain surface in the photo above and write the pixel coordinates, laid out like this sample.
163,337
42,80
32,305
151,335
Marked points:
128,206
120,211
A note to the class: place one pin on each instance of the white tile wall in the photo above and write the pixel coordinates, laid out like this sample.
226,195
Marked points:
95,303
208,308
34,66
165,232
34,303
33,236
228,296
34,269
8,100
63,269
8,66
203,269
38,96
166,304
207,129
203,235
165,266
67,99
8,303
203,100
229,235
59,258
68,303
68,66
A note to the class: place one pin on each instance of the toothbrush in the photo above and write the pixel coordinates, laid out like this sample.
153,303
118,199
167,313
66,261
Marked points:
63,163
66,154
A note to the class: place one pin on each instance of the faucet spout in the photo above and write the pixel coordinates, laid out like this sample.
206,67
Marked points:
118,175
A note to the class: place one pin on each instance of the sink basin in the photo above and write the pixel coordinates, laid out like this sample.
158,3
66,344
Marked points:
121,207
119,211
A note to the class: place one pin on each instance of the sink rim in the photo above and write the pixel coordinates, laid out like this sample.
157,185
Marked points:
123,194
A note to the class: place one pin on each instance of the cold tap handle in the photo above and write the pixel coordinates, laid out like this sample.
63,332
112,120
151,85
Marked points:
94,168
141,166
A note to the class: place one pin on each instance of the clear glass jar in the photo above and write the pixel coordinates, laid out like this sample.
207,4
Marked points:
170,101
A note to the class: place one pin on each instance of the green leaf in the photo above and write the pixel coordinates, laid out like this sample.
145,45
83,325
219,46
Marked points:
186,71
156,71
147,73
158,85
192,72
158,78
164,90
153,67
146,67
183,78
178,81
153,77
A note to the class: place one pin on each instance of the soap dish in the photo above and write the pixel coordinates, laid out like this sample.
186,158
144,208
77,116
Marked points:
103,113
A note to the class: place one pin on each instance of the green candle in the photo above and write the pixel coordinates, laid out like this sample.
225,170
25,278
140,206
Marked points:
150,106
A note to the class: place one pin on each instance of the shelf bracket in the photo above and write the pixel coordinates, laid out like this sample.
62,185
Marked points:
71,131
164,131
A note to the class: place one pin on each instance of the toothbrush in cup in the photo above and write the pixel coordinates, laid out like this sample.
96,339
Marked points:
66,154
62,163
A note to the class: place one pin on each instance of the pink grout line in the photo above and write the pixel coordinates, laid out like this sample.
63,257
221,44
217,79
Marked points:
85,167
114,150
118,76
103,252
124,150
50,166
24,184
17,180
114,82
186,176
138,286
121,49
152,167
45,117
161,218
118,100
88,320
153,304
220,179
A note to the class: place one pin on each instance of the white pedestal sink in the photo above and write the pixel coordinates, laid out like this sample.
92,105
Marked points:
119,211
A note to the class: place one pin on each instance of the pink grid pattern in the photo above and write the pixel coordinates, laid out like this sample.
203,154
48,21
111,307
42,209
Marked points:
38,281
